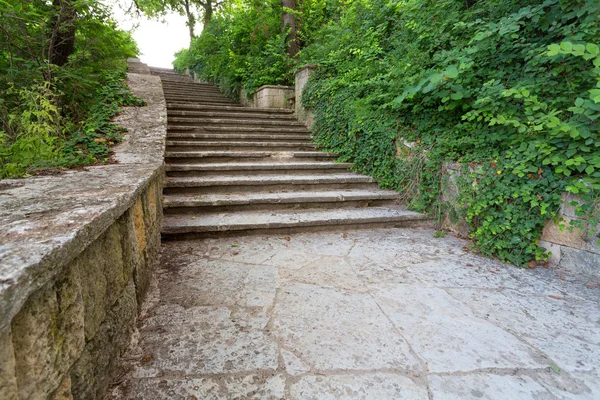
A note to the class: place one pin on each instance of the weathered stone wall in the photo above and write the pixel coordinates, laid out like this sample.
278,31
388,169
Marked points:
573,251
77,251
302,114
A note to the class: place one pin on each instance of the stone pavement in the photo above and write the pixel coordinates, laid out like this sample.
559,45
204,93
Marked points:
378,314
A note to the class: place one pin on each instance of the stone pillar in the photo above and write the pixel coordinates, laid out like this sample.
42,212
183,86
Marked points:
302,76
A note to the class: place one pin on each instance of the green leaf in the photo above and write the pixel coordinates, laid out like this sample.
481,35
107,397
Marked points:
579,102
592,48
452,72
555,368
566,46
553,49
590,169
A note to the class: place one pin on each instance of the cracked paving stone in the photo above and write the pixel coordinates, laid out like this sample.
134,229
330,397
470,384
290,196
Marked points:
203,340
210,388
338,330
448,335
364,386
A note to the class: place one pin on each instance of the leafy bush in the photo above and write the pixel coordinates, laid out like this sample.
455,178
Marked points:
511,85
59,115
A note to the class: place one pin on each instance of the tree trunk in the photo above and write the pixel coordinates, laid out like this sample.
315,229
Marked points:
208,12
191,21
289,22
62,38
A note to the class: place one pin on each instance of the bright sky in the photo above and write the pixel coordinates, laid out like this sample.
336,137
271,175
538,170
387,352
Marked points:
158,40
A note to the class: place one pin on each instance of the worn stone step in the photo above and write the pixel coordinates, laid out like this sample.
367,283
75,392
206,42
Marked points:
189,204
238,108
191,90
197,95
203,137
256,168
192,157
198,99
232,115
264,183
186,145
232,121
237,129
290,221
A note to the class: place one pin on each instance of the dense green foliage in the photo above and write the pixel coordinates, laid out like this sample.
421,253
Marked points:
510,88
59,115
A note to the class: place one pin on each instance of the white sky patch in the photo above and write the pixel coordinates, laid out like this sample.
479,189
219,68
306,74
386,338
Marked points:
157,40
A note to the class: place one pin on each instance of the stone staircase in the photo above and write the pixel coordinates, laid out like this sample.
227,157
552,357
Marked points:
237,170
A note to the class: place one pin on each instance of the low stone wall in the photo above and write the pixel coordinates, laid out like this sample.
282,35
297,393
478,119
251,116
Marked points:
270,96
573,251
76,254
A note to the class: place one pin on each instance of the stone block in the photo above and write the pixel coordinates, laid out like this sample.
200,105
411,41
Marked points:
270,96
103,276
139,226
91,374
566,237
302,76
64,390
48,336
553,248
580,262
8,378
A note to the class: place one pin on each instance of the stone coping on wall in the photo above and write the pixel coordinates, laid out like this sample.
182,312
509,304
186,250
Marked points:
47,221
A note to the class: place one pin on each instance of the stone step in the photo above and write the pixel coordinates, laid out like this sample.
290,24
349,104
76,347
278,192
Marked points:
295,130
194,157
189,204
186,145
196,95
256,168
290,221
238,108
204,137
232,115
200,100
192,90
266,183
232,121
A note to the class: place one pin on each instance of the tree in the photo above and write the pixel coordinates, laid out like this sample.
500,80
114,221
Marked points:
62,38
289,23
157,8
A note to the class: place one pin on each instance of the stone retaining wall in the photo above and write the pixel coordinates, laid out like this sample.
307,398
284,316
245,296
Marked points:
573,251
77,251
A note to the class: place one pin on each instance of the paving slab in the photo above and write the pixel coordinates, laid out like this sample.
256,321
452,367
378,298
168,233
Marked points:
371,314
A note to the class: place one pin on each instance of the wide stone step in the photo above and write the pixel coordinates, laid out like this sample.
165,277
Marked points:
238,108
188,157
204,137
200,100
231,115
290,221
256,168
211,202
186,145
264,183
196,95
192,90
237,129
232,121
